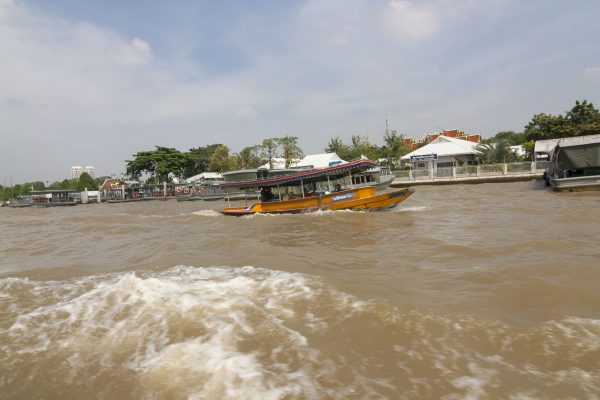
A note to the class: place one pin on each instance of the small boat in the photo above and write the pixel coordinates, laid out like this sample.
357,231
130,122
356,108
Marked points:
575,165
314,190
208,192
55,198
20,202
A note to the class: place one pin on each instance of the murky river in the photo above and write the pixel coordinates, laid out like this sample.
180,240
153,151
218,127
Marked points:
487,291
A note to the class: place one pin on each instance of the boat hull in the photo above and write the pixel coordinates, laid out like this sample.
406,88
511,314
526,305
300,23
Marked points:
364,198
576,184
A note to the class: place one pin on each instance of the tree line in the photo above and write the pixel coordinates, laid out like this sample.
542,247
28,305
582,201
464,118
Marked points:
85,181
162,162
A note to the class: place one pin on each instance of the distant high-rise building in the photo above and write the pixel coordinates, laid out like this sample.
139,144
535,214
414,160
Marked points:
76,171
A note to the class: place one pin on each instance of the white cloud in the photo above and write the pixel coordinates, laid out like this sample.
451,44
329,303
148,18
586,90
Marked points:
246,112
593,72
407,21
137,52
325,68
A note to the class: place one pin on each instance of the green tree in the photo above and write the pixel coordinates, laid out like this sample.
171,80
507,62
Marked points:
160,162
86,181
249,157
270,150
544,126
361,147
513,138
200,159
496,151
393,148
337,146
221,161
582,119
290,150
68,184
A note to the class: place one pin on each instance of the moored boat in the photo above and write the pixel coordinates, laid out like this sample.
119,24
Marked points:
314,190
208,192
55,198
575,165
20,202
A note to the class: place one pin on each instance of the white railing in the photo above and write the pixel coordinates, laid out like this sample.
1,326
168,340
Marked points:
473,171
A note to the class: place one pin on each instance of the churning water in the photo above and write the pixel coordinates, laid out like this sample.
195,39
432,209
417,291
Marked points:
461,292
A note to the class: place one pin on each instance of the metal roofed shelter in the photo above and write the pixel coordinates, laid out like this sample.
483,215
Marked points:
443,152
546,147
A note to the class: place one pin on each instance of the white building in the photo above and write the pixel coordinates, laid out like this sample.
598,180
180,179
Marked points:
278,163
318,161
443,152
76,171
205,177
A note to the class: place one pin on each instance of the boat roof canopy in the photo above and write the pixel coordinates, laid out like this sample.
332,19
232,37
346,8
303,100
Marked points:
50,191
583,154
307,176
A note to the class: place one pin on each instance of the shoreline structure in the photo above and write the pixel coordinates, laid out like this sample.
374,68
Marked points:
472,174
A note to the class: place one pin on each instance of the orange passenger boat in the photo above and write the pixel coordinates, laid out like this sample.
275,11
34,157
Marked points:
315,190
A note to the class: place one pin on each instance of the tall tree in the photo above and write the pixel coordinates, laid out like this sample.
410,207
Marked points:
161,162
336,145
249,157
582,119
361,147
513,138
496,151
86,182
545,126
270,150
393,148
200,159
221,161
290,150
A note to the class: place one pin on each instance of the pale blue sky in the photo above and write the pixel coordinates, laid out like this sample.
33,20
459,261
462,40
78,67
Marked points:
92,82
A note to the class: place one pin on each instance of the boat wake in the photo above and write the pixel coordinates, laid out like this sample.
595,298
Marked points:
411,209
207,213
248,333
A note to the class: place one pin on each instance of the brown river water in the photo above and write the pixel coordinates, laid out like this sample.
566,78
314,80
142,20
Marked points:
487,291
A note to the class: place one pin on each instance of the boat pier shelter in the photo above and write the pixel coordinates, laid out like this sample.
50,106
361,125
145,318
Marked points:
443,152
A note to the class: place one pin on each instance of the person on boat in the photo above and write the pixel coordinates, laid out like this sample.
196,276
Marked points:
266,195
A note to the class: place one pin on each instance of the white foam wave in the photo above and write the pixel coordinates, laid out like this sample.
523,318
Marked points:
207,213
241,333
187,329
411,209
316,213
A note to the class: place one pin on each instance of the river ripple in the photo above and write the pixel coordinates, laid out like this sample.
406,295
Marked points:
466,291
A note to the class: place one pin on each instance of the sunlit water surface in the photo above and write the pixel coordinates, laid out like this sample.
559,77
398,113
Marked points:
461,292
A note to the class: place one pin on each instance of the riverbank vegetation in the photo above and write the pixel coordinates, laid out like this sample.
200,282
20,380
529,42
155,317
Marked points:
162,163
85,181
